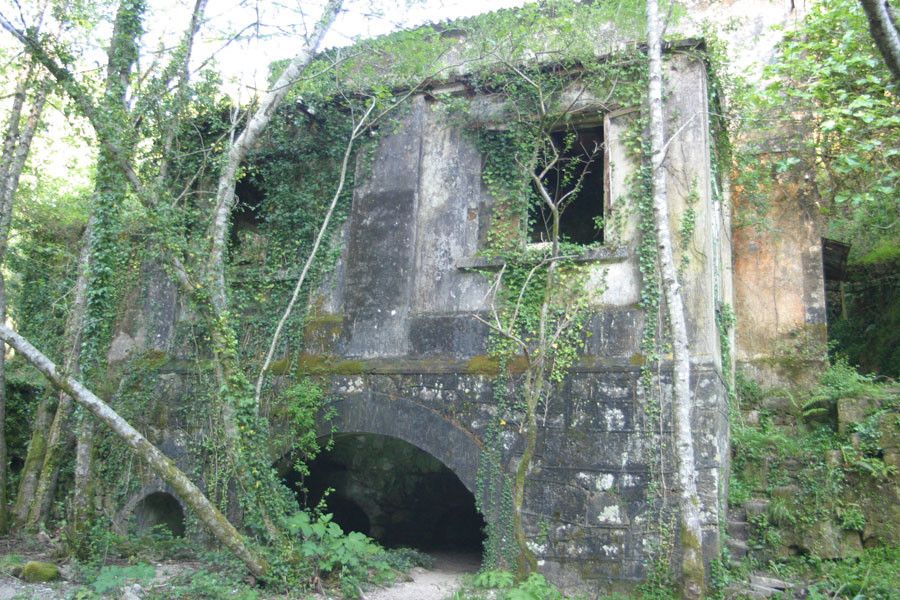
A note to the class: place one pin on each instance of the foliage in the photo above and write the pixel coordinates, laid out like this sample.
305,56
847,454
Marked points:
9,562
304,402
347,560
205,585
840,380
873,575
112,577
867,329
502,585
840,98
823,486
42,261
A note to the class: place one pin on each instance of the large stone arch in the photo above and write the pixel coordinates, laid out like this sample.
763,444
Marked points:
415,424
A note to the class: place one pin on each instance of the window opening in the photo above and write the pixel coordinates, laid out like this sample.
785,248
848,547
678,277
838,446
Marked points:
247,214
574,183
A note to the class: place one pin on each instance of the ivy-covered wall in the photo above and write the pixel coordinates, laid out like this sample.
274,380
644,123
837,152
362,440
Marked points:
392,339
394,331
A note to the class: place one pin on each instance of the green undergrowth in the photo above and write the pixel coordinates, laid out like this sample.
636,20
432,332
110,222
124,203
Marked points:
316,555
816,471
501,585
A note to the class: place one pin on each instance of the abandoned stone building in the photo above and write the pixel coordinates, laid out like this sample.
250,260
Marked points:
410,376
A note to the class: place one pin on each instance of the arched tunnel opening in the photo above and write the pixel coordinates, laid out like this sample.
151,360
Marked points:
159,509
393,492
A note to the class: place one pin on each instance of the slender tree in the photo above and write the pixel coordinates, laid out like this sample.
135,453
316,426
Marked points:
692,570
32,90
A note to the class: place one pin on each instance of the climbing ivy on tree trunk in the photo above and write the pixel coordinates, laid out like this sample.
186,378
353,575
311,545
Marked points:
692,571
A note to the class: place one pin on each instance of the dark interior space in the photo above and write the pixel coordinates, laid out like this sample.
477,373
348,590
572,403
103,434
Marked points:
580,166
247,209
834,267
393,492
862,300
159,509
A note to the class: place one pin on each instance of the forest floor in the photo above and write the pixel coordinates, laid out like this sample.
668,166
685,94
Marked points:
439,582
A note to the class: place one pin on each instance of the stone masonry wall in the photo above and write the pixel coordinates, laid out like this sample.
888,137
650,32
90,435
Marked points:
394,328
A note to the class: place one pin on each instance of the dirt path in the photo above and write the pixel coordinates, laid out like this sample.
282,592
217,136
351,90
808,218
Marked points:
437,583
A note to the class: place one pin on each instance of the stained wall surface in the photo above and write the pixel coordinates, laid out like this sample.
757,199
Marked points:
396,325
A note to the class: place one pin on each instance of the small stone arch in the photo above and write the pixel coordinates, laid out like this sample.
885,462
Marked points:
155,504
415,424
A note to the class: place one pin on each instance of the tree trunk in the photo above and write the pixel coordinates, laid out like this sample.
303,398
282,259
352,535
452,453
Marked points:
110,189
248,137
223,333
884,30
692,570
230,378
41,470
58,437
16,145
82,499
158,462
4,517
31,470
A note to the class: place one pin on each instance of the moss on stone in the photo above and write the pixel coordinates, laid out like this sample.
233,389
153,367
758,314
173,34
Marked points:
482,365
151,360
322,331
693,573
280,366
324,364
35,571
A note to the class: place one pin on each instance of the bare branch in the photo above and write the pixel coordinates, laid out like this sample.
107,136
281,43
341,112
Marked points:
342,178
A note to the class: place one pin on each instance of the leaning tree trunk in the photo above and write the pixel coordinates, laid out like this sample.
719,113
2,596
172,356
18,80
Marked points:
692,570
158,462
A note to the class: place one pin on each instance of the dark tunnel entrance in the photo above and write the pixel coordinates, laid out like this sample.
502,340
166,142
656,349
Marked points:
159,509
393,492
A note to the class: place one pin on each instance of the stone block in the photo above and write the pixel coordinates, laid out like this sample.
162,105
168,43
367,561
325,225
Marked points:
826,539
854,410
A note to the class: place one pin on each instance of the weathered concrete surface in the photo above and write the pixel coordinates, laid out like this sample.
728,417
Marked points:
750,29
408,360
779,289
393,338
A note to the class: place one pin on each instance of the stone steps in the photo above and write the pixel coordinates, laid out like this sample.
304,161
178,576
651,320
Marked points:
758,587
738,530
737,549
